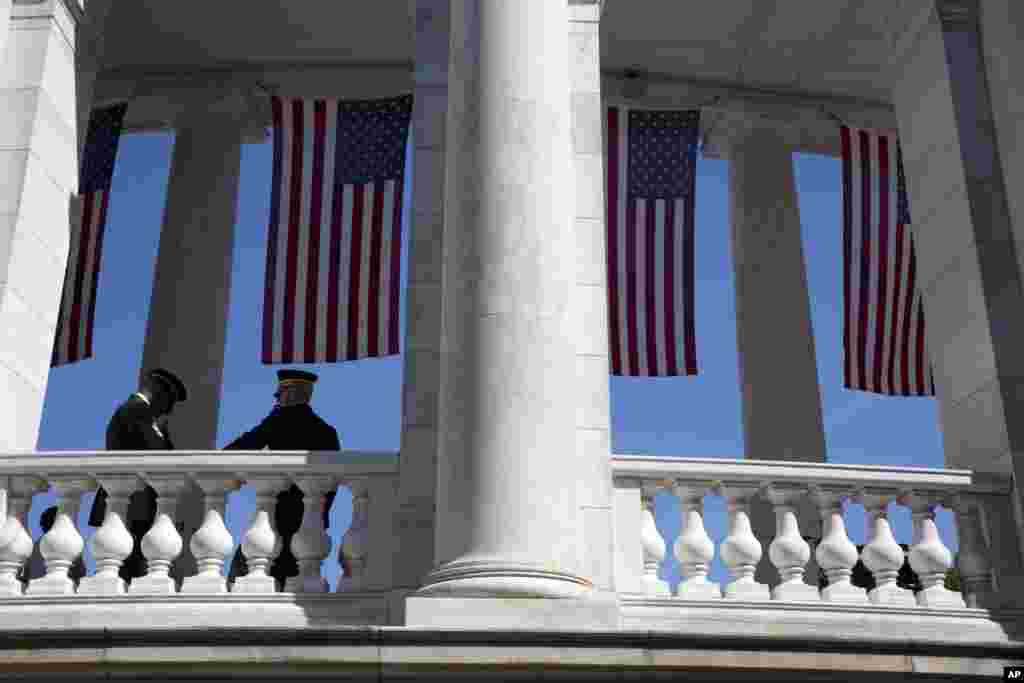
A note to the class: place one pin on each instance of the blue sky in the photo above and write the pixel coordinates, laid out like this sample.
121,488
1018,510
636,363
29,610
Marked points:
696,416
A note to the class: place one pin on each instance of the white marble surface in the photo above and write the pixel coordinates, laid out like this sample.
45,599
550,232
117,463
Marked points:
509,401
415,524
659,634
774,337
600,613
1001,24
192,282
39,157
590,298
951,96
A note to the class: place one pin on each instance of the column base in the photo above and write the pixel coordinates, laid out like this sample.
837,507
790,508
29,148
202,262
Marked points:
51,585
152,585
594,612
746,590
798,591
699,590
202,583
255,584
101,585
844,592
940,596
306,584
656,588
893,596
495,579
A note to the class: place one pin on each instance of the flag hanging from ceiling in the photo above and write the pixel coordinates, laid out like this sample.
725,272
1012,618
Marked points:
335,235
883,333
74,333
650,196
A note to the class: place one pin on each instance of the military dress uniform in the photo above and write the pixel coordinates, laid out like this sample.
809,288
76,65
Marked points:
289,428
133,427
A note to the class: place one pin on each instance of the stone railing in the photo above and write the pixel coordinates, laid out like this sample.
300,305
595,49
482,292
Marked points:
792,488
184,479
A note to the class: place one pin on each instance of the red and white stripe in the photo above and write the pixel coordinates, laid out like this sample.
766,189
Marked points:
78,300
884,334
650,270
334,256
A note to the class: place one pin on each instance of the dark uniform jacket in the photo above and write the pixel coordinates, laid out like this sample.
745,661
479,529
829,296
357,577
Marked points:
133,428
295,428
292,428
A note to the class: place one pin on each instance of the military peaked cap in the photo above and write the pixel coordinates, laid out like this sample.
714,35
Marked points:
289,376
171,381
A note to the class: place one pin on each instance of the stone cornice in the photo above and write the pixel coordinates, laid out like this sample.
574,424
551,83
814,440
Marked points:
74,7
957,13
810,120
587,10
67,20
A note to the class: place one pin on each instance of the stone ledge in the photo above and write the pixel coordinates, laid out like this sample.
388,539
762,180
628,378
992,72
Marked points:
645,622
344,634
877,628
381,653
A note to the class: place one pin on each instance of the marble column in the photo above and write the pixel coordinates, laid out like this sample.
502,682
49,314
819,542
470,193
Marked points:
957,136
38,155
188,311
5,23
192,282
421,388
773,317
1003,56
507,510
593,417
87,63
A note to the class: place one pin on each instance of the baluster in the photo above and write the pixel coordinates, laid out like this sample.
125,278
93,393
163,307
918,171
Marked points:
741,551
15,542
162,544
212,542
694,548
62,544
882,555
836,555
261,542
112,542
356,540
975,569
789,551
929,556
654,547
311,544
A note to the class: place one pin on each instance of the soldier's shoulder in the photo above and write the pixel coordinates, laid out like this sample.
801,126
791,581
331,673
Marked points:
322,423
133,407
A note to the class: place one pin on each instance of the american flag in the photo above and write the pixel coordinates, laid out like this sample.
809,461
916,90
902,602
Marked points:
651,166
335,237
73,339
883,335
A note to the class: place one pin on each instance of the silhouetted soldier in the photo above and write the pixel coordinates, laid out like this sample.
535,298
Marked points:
140,424
291,426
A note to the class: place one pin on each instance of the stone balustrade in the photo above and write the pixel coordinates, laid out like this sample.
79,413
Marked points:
790,487
371,477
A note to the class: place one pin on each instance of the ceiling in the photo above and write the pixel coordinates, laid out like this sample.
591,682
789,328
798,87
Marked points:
826,47
819,47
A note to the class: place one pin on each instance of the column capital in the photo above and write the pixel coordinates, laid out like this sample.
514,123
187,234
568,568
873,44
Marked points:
27,9
586,10
724,128
957,14
239,103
